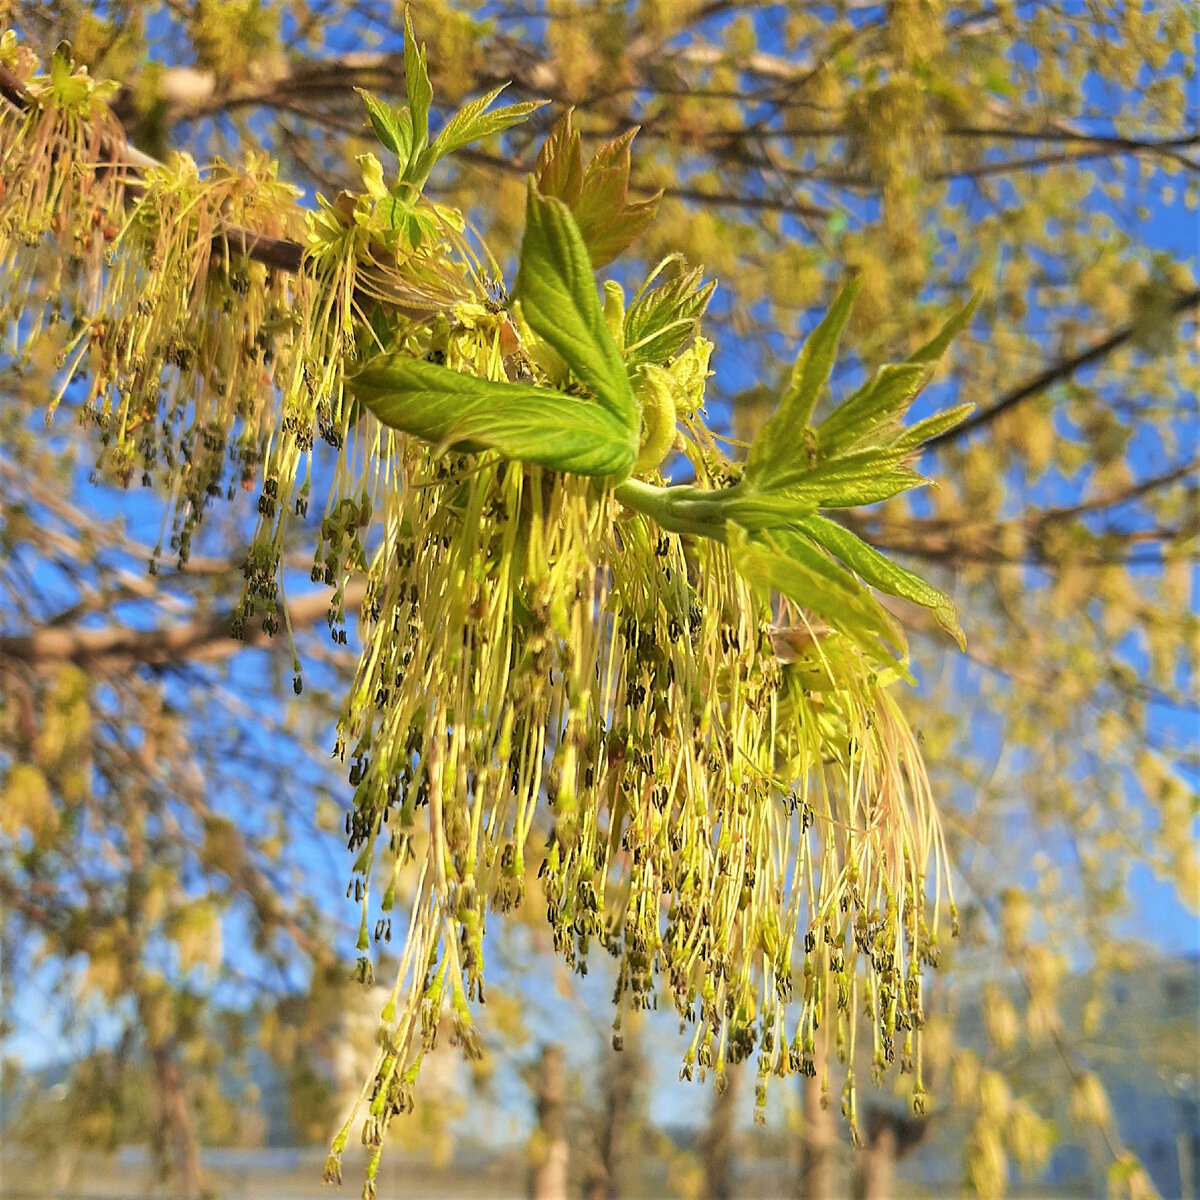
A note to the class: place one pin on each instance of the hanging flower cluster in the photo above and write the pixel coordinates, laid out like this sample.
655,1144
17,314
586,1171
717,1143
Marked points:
673,705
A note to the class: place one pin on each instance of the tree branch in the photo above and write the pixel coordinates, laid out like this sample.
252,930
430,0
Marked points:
1056,373
108,650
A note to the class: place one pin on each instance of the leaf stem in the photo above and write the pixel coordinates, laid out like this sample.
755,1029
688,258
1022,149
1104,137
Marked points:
683,509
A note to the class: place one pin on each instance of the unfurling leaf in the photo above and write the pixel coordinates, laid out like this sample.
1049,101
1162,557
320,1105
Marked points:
661,319
873,412
539,425
527,424
372,176
560,302
393,127
775,449
418,87
863,478
933,350
597,195
473,121
932,427
405,131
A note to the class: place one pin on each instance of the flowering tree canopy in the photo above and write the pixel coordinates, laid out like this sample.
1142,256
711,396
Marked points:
675,702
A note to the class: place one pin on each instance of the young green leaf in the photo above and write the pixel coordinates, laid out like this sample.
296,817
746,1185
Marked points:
792,566
880,572
392,128
936,347
830,482
473,121
784,506
775,448
661,320
867,489
372,176
873,411
527,424
931,427
560,302
420,90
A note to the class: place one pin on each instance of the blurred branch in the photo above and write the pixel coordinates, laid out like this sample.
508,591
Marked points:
120,649
1056,373
937,537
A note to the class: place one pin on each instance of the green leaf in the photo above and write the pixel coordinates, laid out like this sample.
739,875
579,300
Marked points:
404,123
418,87
372,176
936,347
880,572
777,444
874,410
560,302
931,427
867,489
827,481
392,128
473,121
661,320
528,424
792,566
855,479
783,506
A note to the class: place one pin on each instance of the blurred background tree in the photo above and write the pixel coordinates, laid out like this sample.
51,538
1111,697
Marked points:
159,792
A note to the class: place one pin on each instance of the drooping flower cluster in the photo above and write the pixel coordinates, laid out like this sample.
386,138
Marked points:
670,705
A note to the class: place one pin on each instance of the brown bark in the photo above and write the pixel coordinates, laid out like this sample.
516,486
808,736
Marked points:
273,252
717,1143
607,1177
176,1115
890,1137
548,1145
818,1148
176,1135
877,1168
1183,303
99,650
